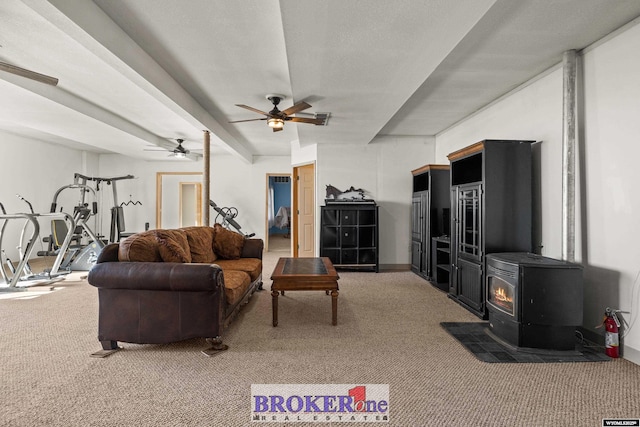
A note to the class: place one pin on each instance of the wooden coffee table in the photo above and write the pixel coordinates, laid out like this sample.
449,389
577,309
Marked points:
305,274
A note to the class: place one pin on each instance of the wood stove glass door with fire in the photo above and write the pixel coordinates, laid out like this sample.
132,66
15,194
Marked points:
501,294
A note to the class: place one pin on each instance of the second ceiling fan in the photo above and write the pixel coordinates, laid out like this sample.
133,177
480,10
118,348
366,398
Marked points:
276,118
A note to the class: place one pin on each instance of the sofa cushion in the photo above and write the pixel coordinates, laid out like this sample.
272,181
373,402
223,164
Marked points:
226,243
140,247
251,266
201,243
236,284
173,245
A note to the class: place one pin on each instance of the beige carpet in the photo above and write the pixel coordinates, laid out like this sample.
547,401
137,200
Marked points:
279,243
388,332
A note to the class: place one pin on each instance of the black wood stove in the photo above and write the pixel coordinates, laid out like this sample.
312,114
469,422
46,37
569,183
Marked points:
534,301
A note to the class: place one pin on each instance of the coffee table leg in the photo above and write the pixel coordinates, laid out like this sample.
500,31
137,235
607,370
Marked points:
274,307
334,307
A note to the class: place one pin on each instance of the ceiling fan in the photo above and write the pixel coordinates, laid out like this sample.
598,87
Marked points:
276,118
23,72
178,152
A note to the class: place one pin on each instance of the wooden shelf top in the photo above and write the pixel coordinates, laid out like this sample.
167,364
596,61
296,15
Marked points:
426,168
479,146
466,151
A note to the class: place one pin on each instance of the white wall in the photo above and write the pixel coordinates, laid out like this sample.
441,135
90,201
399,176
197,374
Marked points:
383,169
612,149
303,155
609,129
532,113
36,170
234,183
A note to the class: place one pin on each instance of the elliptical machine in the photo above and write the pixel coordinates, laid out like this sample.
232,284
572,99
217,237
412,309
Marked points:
22,277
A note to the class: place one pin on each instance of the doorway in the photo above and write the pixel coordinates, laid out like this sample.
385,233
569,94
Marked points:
170,196
190,204
278,214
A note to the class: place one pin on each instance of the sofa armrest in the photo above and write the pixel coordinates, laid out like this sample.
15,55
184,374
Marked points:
156,276
252,248
109,253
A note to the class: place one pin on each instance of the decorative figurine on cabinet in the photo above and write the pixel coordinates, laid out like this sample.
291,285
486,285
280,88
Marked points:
350,195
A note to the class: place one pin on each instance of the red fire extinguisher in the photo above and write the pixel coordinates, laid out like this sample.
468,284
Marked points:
611,339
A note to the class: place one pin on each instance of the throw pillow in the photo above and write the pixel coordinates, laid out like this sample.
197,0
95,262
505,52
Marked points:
226,243
139,247
173,245
200,243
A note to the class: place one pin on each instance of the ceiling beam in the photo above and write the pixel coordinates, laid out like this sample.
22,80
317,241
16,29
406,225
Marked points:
86,23
84,107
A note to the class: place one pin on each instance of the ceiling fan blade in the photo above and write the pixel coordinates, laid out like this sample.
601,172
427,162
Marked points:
297,107
248,120
42,78
252,109
306,120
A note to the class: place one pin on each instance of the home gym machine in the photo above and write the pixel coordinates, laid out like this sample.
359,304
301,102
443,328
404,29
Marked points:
76,257
117,230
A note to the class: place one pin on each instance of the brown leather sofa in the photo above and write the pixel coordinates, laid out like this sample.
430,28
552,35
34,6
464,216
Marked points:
164,286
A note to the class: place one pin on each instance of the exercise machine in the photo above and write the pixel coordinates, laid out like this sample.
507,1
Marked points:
76,257
21,275
117,229
226,216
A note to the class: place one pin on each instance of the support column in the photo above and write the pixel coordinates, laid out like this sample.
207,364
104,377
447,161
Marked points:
206,177
569,61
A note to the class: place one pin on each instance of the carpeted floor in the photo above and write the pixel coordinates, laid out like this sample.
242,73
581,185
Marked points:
388,332
279,243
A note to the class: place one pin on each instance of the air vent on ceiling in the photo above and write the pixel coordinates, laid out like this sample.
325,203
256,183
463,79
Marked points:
322,116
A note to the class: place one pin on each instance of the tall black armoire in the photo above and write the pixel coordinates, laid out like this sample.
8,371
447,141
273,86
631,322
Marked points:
491,211
430,219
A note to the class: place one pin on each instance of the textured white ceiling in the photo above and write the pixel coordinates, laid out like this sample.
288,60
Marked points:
142,73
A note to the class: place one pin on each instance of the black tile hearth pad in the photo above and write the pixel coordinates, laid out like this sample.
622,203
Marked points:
477,338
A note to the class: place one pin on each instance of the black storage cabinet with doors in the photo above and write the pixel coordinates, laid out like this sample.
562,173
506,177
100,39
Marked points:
491,211
430,218
349,235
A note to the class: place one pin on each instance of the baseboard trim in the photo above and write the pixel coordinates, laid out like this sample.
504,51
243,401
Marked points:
631,354
394,267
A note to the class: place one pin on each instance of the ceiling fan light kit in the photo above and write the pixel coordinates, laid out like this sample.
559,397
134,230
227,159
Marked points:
275,123
179,152
276,118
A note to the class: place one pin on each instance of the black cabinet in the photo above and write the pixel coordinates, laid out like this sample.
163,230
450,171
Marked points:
441,262
430,207
419,221
491,211
349,235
